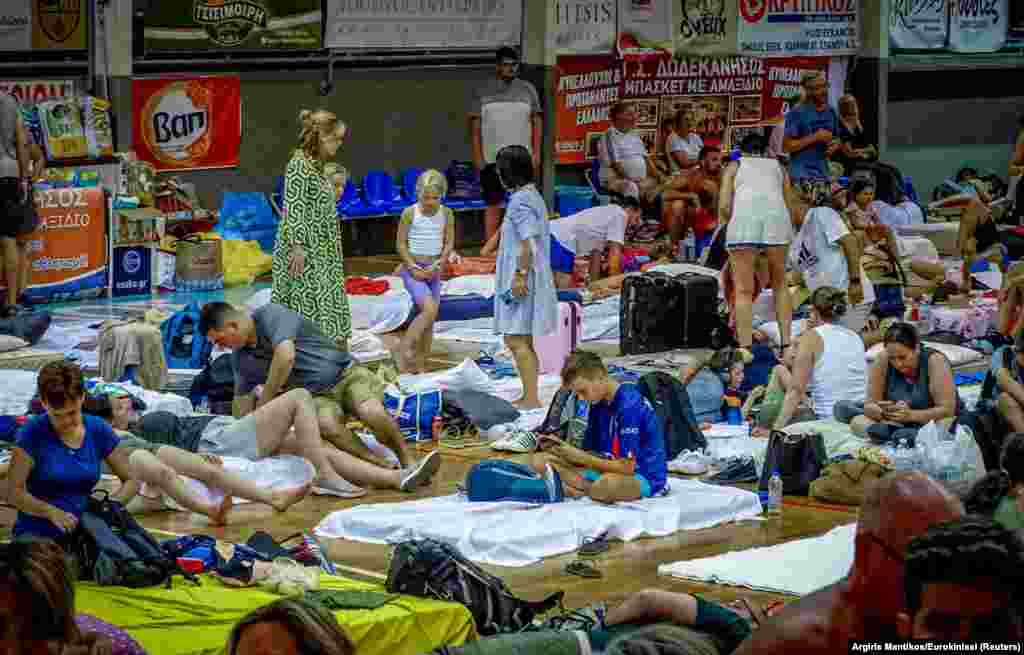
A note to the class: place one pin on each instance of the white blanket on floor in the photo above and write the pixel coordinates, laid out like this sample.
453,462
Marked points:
376,314
519,534
796,567
600,321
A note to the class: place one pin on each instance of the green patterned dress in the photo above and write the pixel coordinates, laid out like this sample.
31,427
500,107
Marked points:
311,221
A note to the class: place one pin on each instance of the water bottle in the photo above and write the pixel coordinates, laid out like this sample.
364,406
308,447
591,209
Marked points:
689,248
774,495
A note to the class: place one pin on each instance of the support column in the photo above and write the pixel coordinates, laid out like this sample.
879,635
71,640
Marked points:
110,57
869,81
541,71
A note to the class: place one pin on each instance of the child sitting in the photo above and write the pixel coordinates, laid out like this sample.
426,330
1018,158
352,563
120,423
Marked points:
426,236
623,455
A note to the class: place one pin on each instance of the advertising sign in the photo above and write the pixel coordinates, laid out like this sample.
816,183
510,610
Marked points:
32,92
234,25
646,27
68,252
780,28
187,123
586,88
58,24
707,27
583,27
133,271
423,24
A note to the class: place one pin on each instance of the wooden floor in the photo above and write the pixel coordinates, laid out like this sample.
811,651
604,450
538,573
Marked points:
627,567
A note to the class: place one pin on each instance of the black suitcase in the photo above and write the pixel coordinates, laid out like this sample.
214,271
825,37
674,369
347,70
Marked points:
660,312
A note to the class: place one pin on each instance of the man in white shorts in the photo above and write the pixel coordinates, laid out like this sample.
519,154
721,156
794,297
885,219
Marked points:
826,253
586,233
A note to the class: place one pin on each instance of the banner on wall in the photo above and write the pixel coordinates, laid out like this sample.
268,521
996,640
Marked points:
68,252
707,28
34,91
779,28
727,97
187,123
646,28
582,27
234,25
586,88
423,24
43,25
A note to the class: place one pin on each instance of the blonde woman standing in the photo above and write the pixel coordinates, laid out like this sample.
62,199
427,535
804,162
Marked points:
426,238
309,276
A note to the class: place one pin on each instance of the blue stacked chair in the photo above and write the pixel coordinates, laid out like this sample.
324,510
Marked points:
350,203
380,194
409,177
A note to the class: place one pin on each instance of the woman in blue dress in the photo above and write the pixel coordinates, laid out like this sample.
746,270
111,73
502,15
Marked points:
525,302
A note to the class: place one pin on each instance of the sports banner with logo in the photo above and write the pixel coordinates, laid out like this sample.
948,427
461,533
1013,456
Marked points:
726,98
68,251
423,24
43,25
582,27
187,123
646,28
780,28
707,27
234,25
31,92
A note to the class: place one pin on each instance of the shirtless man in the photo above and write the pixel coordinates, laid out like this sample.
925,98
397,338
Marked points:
690,199
866,604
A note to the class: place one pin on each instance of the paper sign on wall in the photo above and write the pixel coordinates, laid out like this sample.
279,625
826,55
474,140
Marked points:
646,27
35,91
707,27
978,26
780,28
582,27
918,24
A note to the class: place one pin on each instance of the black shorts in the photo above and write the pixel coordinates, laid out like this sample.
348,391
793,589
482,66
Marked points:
16,219
490,184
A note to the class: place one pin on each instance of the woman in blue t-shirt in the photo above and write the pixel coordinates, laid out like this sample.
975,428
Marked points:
623,456
58,456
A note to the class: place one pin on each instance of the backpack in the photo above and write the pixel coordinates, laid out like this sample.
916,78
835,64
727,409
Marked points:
112,549
567,418
671,403
184,347
494,480
216,383
432,569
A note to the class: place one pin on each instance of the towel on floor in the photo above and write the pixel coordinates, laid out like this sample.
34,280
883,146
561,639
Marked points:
796,567
519,534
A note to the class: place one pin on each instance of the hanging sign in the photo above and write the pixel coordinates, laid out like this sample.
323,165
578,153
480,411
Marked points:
30,92
707,27
187,123
582,27
234,25
586,88
646,28
779,28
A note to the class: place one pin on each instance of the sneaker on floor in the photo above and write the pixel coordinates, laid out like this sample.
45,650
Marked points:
349,490
690,462
420,473
519,441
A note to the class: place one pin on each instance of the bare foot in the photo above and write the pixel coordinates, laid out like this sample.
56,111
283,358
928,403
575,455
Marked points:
523,403
219,514
285,498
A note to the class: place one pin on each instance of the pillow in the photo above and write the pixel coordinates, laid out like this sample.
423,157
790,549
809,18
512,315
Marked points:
9,343
470,285
957,355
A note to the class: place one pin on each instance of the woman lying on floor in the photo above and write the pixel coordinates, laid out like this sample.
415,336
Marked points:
909,385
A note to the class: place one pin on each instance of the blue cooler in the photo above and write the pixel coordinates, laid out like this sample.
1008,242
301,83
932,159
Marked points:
132,270
570,200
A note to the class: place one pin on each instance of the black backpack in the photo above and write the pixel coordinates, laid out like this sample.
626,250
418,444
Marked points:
432,569
113,549
672,405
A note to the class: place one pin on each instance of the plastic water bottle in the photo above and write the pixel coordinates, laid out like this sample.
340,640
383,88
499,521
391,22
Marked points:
689,248
774,495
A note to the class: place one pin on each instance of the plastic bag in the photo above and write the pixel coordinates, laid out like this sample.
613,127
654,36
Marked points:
244,211
244,261
949,458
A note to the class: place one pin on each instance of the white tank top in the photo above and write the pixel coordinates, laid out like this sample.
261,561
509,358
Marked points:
759,190
840,373
426,234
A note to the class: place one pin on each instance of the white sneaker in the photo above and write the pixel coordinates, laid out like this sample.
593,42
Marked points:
690,462
519,441
420,473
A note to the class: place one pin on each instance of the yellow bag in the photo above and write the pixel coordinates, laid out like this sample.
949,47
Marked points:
244,261
844,482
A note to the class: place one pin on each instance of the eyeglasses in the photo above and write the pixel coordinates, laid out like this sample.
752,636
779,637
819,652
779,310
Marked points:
889,550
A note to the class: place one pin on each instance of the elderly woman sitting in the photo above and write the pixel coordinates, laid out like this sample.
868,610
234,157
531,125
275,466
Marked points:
909,385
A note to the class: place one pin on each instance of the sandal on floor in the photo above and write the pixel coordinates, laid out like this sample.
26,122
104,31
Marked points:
583,570
593,546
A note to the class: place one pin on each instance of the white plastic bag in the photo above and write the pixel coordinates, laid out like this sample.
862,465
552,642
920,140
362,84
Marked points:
970,454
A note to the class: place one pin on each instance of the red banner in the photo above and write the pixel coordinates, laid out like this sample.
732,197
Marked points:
726,97
187,123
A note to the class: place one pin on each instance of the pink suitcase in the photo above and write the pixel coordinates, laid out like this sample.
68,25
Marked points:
553,349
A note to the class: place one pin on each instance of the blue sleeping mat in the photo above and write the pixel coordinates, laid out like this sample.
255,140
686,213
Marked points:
467,308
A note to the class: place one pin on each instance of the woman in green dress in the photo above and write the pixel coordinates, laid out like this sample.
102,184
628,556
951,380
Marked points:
1000,494
309,274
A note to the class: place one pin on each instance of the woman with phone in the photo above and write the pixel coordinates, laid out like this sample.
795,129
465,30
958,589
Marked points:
909,385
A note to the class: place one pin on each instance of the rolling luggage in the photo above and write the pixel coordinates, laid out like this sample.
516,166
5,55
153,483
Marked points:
553,349
660,312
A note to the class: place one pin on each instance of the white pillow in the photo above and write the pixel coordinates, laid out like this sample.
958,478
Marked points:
957,355
470,285
9,343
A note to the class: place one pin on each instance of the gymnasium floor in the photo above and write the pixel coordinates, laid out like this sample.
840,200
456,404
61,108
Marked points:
626,567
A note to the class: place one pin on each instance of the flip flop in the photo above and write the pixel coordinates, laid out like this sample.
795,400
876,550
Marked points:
583,570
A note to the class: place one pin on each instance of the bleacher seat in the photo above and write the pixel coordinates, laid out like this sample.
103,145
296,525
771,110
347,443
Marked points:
351,203
409,177
380,194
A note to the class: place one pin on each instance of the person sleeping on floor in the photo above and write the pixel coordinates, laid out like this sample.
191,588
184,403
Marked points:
623,456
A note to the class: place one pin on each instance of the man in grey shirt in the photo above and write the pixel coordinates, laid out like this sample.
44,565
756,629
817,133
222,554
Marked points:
274,349
14,184
506,112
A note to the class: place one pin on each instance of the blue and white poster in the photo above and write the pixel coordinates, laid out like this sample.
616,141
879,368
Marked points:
785,28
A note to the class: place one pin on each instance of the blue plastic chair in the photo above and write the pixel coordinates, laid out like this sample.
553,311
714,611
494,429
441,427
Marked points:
379,193
409,177
594,180
908,188
350,203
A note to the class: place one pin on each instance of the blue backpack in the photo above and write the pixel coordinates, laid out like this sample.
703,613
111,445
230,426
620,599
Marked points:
498,479
184,347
